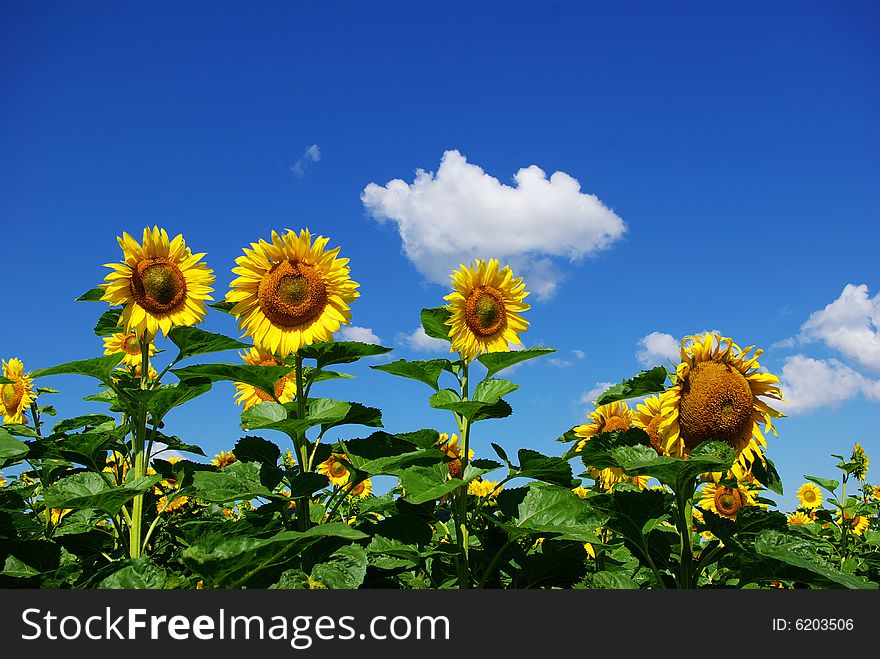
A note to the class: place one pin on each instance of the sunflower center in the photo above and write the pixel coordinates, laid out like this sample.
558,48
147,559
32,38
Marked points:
810,496
158,285
716,405
337,469
11,395
132,346
292,294
484,311
653,434
615,423
728,501
358,489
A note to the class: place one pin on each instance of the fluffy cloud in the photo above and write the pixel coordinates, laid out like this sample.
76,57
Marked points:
580,354
657,348
808,384
598,389
311,155
362,334
850,325
461,213
418,341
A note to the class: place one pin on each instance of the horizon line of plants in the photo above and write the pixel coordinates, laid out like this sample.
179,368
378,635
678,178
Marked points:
674,492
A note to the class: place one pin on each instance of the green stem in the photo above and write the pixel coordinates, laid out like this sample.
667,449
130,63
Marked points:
36,414
460,502
138,446
493,563
683,521
303,517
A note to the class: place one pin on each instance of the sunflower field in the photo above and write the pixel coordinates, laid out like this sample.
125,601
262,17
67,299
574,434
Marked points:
668,484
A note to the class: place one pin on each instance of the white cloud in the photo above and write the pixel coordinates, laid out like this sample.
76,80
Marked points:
598,389
657,348
850,325
580,354
463,213
785,343
420,342
312,154
808,384
559,363
362,334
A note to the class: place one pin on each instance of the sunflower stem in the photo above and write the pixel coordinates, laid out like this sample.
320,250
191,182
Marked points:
138,446
36,414
303,517
461,534
683,520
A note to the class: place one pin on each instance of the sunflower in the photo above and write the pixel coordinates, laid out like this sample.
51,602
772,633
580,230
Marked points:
117,465
809,495
161,283
583,493
716,398
57,514
285,387
484,489
18,395
858,523
451,447
291,292
223,459
137,369
648,416
334,470
799,518
129,345
163,505
485,309
697,515
725,501
861,461
606,418
2,481
876,492
360,490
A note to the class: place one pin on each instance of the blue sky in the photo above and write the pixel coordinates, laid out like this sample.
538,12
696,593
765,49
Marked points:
737,148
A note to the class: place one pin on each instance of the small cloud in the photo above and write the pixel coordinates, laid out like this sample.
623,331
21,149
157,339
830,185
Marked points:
462,213
361,334
784,344
162,452
808,384
312,154
418,341
657,348
559,363
580,354
598,389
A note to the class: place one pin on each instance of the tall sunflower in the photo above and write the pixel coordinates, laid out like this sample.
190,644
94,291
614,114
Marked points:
335,470
485,309
809,495
606,418
451,447
716,398
160,282
291,292
129,345
17,396
249,395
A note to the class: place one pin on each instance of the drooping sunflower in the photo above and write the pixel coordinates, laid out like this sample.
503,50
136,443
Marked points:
725,501
285,387
451,446
129,345
648,415
606,418
485,309
335,470
17,396
360,490
876,492
799,518
291,292
716,398
861,461
223,459
161,283
809,495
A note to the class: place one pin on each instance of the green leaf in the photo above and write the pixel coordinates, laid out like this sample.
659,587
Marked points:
498,361
225,307
542,508
491,390
340,352
345,569
139,573
767,474
99,367
423,371
170,396
108,323
257,449
434,321
261,377
192,341
306,484
174,443
90,448
473,410
646,382
11,450
91,295
824,483
325,412
633,515
613,581
543,468
88,490
239,481
84,421
427,483
381,453
801,553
